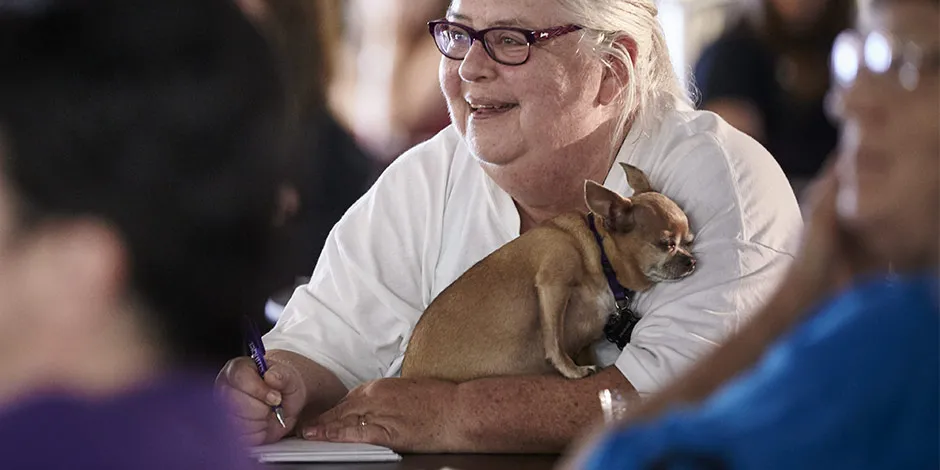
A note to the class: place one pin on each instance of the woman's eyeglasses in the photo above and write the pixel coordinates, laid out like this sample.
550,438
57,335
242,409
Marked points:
881,53
508,46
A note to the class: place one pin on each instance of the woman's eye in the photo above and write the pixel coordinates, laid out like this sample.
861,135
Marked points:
508,38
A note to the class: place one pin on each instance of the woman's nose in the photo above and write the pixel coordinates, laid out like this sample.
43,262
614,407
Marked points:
864,99
477,64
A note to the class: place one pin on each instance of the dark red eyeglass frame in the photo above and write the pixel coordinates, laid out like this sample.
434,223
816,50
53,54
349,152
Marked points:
532,36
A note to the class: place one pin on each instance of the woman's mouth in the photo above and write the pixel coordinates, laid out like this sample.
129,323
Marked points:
487,110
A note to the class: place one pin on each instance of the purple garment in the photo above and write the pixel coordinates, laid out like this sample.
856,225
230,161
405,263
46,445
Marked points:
173,424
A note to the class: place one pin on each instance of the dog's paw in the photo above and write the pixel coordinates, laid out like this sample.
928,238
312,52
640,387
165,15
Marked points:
579,372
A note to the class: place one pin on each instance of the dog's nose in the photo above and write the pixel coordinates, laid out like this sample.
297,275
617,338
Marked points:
688,263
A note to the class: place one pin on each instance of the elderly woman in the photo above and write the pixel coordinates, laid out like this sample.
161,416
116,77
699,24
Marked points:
543,96
855,383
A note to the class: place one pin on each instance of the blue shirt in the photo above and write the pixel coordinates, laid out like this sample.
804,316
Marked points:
853,387
173,424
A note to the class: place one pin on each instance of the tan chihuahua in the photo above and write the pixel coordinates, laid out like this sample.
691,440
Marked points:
543,298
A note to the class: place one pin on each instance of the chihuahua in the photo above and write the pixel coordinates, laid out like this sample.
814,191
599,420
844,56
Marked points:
543,298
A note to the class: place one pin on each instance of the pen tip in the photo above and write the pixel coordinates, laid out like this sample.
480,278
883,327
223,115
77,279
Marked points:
280,418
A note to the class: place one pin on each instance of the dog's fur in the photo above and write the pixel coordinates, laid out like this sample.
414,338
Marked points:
538,301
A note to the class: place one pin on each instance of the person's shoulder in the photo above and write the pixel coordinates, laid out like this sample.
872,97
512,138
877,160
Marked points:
895,301
722,174
418,181
714,140
430,162
438,151
878,319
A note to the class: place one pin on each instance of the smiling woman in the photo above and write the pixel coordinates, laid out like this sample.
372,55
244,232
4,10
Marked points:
543,95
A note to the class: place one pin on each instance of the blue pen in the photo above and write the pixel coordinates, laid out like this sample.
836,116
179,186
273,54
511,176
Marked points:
256,351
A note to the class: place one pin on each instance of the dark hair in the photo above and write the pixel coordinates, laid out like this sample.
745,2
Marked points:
162,118
806,51
835,17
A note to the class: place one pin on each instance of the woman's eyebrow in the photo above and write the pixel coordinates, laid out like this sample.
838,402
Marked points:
466,19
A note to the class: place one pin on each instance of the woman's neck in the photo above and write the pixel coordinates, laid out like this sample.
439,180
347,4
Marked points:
545,186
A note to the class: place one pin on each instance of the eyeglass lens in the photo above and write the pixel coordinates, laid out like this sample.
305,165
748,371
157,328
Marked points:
503,45
876,52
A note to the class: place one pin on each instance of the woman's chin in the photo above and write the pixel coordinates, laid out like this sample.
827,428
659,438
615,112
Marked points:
489,159
490,149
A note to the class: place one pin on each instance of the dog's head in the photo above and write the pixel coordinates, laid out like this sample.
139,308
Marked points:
649,232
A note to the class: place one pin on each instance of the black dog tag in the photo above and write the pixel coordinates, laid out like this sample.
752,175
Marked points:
620,325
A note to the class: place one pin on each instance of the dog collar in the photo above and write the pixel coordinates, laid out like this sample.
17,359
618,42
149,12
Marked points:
623,319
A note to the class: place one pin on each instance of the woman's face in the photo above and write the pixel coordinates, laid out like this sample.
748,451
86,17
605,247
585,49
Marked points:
888,167
543,105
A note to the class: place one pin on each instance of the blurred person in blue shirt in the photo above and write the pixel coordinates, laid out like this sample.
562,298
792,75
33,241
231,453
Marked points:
840,369
139,150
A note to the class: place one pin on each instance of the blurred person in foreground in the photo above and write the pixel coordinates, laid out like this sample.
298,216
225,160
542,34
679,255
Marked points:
137,184
543,95
840,369
768,76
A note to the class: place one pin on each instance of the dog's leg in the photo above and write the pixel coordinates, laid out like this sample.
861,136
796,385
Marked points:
586,356
553,302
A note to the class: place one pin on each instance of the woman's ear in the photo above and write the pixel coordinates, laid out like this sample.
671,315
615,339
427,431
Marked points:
616,76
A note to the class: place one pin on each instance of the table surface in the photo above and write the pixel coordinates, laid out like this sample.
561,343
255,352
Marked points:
436,462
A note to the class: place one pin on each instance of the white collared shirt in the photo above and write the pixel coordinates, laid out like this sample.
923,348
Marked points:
434,213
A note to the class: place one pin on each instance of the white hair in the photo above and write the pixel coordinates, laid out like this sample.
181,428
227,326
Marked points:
651,86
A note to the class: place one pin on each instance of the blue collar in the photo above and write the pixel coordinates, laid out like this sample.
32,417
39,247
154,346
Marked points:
621,294
620,324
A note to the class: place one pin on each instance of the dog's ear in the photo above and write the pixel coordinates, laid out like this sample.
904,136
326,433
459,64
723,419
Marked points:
637,179
616,211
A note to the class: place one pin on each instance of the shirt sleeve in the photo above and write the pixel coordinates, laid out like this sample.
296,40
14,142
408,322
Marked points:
373,278
746,222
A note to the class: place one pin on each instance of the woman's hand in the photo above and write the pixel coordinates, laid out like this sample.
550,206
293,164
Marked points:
402,414
252,397
830,256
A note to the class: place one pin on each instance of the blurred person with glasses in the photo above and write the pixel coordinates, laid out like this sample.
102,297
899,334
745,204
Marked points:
841,369
542,95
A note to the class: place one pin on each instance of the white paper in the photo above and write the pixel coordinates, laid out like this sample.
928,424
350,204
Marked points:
299,450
